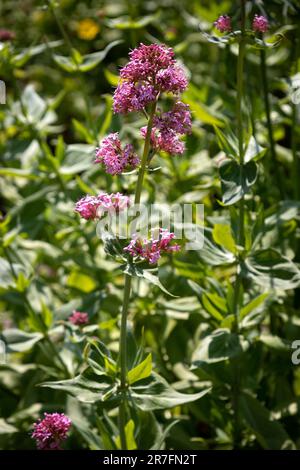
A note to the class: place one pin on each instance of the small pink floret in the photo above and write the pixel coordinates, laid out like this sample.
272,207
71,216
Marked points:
79,318
260,23
223,23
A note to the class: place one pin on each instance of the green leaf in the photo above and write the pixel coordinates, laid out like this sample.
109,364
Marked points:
111,77
154,393
90,61
87,387
272,270
22,58
65,63
136,271
47,315
83,132
253,151
224,39
274,342
159,442
86,63
234,182
141,371
253,305
126,23
212,254
18,173
270,434
6,428
220,346
34,104
228,142
81,281
223,236
199,110
78,158
76,412
130,440
20,341
209,306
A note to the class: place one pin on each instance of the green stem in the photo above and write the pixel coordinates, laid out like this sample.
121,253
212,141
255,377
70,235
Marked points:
127,292
265,87
241,222
139,184
296,164
240,72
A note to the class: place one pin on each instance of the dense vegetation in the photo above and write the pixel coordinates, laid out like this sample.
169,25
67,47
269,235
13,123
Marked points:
195,349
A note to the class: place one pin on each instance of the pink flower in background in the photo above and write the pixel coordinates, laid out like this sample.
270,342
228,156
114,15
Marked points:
151,70
94,207
260,23
87,207
79,318
115,158
7,35
152,249
223,23
51,431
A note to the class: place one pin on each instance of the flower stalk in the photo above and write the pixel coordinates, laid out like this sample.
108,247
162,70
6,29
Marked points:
241,222
127,291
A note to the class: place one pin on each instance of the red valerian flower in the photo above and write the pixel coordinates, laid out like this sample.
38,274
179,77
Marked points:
223,24
94,207
51,431
152,249
260,24
150,71
115,158
79,318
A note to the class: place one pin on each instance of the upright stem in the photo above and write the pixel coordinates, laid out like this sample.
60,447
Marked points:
274,160
241,222
127,292
296,162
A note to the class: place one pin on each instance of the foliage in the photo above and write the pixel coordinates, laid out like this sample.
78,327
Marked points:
191,371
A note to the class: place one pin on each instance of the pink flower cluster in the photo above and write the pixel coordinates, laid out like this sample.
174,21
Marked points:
6,35
115,158
223,23
168,127
94,207
151,249
51,431
177,120
79,318
260,24
151,70
168,141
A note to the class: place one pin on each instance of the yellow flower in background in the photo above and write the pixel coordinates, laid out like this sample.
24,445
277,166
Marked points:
87,29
